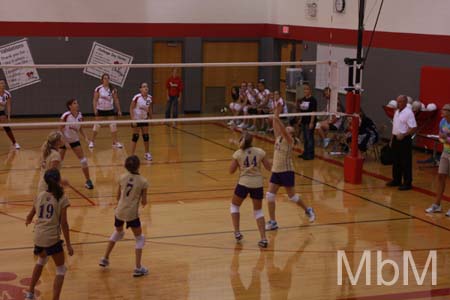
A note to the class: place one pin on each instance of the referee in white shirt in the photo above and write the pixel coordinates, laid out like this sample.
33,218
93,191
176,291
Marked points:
404,125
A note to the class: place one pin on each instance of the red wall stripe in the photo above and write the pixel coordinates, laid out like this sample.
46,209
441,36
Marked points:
130,29
388,40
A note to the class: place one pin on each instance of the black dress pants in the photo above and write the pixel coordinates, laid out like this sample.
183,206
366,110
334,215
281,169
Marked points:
402,166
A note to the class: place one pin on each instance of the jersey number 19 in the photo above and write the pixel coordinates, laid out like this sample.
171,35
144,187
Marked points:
46,211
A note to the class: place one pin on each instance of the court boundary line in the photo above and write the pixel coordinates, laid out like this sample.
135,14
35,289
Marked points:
151,239
207,176
167,162
83,196
29,202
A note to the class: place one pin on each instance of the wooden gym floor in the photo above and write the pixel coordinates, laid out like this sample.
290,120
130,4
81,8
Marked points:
190,247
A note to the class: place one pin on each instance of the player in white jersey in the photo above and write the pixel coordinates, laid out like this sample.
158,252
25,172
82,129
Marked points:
141,109
280,101
262,94
251,105
51,209
5,111
105,98
71,137
248,160
235,105
283,169
132,191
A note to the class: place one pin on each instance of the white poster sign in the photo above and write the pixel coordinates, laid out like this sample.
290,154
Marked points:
18,53
101,54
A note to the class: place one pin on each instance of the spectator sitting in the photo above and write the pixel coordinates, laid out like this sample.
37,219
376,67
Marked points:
235,105
262,96
252,104
333,123
367,132
244,104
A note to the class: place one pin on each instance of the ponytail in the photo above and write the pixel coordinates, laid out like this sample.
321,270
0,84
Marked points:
53,178
246,141
52,139
46,150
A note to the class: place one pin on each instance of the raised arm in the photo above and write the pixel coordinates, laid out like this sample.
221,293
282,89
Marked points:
282,130
276,125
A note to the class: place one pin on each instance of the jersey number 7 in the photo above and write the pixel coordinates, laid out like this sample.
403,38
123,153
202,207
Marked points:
128,189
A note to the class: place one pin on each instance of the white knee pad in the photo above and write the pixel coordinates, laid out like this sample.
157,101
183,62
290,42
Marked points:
270,197
117,236
41,261
245,109
295,198
96,127
113,127
140,241
232,105
234,209
61,270
258,214
84,162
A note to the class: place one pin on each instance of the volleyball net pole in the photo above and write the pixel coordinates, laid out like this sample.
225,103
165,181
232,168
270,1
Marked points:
353,162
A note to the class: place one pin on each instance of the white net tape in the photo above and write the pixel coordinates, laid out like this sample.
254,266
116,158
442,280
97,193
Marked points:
159,121
170,65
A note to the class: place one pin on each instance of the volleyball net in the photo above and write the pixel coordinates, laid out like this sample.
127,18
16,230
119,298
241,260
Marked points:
222,91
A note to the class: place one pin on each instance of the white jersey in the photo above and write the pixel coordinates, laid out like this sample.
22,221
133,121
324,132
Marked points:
142,108
4,99
105,98
261,95
251,96
283,103
71,131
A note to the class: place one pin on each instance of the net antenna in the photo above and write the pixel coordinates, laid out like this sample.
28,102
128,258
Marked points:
333,71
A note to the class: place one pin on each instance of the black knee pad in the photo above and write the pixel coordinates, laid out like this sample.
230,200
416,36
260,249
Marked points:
7,129
146,137
135,137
